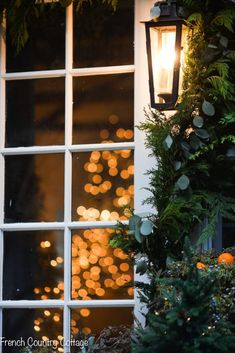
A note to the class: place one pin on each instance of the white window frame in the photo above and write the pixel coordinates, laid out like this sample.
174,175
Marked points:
141,100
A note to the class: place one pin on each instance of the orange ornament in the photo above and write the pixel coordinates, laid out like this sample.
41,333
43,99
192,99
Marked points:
201,265
225,258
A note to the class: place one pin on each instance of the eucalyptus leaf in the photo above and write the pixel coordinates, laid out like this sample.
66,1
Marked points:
202,133
208,108
183,182
177,165
155,12
195,142
141,267
134,221
167,143
198,121
224,41
146,227
91,341
138,235
144,214
185,146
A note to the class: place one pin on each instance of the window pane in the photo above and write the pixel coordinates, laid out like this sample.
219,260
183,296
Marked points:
104,37
99,271
45,48
33,265
32,328
103,108
35,112
34,188
102,184
91,321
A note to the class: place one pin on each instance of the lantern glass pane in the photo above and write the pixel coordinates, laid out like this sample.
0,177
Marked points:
182,57
163,61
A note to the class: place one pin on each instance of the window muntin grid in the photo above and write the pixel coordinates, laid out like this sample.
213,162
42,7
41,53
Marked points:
67,224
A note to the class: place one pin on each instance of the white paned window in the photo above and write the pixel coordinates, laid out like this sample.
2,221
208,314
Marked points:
69,103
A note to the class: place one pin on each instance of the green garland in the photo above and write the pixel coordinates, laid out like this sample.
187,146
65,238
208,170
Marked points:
20,13
192,182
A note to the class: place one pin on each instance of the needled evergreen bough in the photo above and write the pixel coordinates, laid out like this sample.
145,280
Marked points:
186,326
192,182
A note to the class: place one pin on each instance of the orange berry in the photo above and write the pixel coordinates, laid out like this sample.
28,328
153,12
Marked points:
225,258
201,265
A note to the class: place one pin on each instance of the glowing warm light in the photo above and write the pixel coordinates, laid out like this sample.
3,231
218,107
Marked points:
131,189
87,187
59,260
104,134
123,201
114,216
112,163
56,317
107,185
85,312
120,281
92,167
84,262
113,119
97,179
95,270
113,269
106,155
100,292
113,171
120,191
36,290
47,244
90,283
125,153
47,289
44,297
120,133
124,267
56,290
86,275
105,215
167,52
60,337
36,322
47,313
130,291
128,134
86,330
93,259
108,261
82,293
108,282
37,328
60,349
81,210
42,244
100,168
53,263
124,174
61,286
94,190
73,323
45,338
130,169
95,156
74,252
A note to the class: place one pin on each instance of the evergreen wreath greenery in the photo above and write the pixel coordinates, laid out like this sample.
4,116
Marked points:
193,178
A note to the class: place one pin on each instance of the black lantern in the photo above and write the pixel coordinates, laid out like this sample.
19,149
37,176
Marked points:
166,37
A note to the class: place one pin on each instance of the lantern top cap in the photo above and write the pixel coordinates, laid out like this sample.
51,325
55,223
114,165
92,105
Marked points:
164,10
